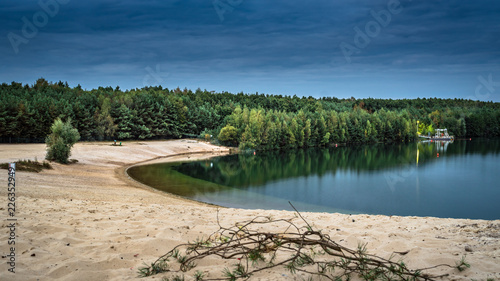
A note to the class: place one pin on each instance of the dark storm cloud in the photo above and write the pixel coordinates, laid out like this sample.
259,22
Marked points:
107,42
436,32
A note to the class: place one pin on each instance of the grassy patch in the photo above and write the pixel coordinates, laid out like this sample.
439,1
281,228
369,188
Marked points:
28,166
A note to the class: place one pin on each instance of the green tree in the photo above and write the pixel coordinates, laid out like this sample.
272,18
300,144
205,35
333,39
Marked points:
229,135
307,133
436,118
27,113
326,139
124,121
247,141
106,127
63,136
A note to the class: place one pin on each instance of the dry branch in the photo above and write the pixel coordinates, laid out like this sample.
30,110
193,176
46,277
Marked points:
298,249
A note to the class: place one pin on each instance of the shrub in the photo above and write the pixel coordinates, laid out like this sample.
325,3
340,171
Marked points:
60,141
229,135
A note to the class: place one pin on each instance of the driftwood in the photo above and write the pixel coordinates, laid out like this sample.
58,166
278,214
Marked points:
298,249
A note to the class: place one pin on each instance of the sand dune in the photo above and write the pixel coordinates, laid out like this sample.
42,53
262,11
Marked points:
89,221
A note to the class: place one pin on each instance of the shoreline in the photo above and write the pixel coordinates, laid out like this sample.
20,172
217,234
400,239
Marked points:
91,221
122,172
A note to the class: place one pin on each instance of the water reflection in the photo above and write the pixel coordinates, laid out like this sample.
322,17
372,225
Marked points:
426,179
243,170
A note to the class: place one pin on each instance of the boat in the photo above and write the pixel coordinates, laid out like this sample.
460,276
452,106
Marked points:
440,135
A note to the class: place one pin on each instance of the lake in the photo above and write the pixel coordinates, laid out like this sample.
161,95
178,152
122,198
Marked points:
459,179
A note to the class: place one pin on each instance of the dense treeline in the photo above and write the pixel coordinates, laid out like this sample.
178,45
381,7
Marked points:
239,170
248,120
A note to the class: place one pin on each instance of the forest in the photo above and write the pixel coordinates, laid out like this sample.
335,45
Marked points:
249,121
240,170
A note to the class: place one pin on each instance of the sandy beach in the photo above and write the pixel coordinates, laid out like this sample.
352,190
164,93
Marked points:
90,221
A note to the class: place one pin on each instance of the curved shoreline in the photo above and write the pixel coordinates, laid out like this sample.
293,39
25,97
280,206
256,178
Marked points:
89,221
123,172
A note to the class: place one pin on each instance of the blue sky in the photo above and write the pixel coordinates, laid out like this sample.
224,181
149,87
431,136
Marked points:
361,48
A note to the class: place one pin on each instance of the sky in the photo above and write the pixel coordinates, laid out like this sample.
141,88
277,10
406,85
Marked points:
322,48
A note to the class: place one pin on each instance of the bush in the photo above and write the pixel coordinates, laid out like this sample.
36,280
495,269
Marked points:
228,135
28,166
60,141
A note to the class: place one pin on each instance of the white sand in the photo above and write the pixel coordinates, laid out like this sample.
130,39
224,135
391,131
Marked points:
89,221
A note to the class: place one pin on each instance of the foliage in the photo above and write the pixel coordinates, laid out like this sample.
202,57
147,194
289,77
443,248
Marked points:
28,166
266,122
228,135
297,249
60,141
462,264
239,170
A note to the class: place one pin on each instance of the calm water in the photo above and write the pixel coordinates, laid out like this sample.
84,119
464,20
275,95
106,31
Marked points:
458,180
